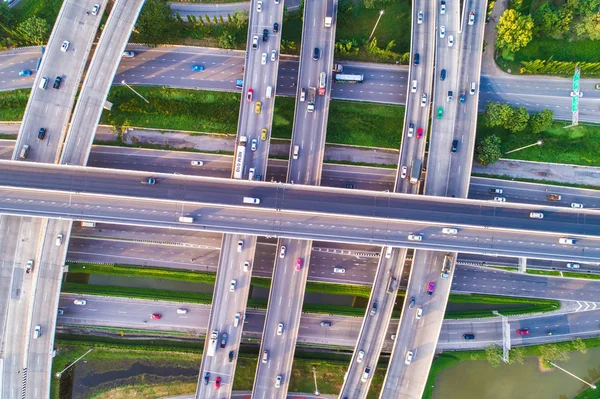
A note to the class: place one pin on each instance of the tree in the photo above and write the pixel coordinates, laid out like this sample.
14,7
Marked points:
589,26
514,31
517,122
541,121
227,40
553,352
517,355
33,30
579,345
156,23
496,114
493,354
488,150
6,16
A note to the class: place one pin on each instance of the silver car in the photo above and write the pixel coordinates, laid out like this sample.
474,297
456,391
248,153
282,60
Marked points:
263,60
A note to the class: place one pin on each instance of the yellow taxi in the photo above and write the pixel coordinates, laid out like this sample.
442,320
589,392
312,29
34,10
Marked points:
263,134
258,107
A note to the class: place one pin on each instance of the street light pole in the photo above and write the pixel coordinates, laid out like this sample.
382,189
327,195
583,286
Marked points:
131,88
59,373
573,375
381,12
315,375
539,142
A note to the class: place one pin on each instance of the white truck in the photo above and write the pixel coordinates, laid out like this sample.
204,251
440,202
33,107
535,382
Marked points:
240,156
446,266
311,99
186,219
212,344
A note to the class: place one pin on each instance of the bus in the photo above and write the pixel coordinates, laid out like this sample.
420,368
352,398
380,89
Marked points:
347,78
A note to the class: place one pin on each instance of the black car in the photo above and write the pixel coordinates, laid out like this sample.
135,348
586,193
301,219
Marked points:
412,302
223,340
275,27
416,59
57,81
42,133
454,145
231,356
325,324
265,35
468,337
350,185
316,54
206,378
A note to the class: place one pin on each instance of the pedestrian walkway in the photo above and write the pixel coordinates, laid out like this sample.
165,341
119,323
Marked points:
488,63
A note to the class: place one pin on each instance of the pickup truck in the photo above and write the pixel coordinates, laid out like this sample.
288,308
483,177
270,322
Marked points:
554,197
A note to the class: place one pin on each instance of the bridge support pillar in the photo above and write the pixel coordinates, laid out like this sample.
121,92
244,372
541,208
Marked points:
522,265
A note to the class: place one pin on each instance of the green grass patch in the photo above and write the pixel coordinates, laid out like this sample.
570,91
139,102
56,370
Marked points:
134,292
543,272
497,299
140,271
582,275
521,305
355,22
560,50
13,103
47,9
579,145
549,182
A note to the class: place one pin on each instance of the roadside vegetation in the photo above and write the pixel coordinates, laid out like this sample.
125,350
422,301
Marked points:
28,23
502,128
558,351
550,37
13,103
518,305
117,356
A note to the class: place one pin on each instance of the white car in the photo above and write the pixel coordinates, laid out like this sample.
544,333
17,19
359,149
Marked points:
450,41
415,237
254,42
576,205
403,172
536,215
236,319
279,328
360,356
423,100
95,9
128,54
302,94
409,357
566,241
182,311
240,246
499,199
419,313
442,31
273,55
37,332
282,252
420,17
449,230
80,302
254,144
197,163
232,285
246,266
259,6
471,18
276,1
411,129
339,270
263,60
278,381
59,240
573,266
65,46
413,87
443,7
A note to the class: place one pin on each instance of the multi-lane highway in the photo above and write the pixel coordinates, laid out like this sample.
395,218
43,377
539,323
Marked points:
171,66
134,314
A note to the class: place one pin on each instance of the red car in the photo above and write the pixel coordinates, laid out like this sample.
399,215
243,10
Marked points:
249,95
298,264
523,331
420,133
431,288
217,382
156,316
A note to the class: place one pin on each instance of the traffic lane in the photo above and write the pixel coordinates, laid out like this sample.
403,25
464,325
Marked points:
14,61
472,279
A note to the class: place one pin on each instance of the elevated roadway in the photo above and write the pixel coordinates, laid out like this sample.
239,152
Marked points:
299,211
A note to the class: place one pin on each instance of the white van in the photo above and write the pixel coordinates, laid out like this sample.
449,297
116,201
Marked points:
296,151
251,174
251,200
269,91
388,252
43,83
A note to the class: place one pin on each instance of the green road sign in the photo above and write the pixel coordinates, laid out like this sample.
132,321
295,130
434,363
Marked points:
576,80
574,104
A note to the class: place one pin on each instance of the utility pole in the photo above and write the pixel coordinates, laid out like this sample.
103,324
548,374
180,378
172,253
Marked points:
315,375
381,12
539,142
573,375
58,374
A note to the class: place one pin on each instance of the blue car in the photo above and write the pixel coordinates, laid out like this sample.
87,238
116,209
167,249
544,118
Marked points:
198,68
25,72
